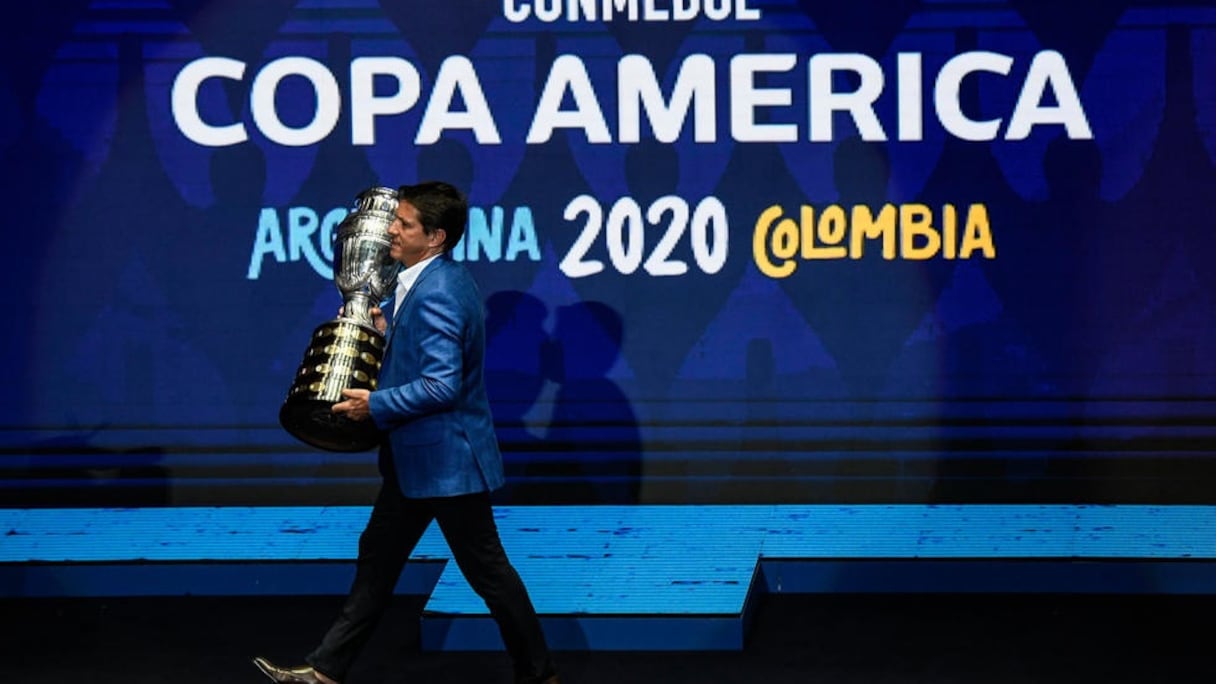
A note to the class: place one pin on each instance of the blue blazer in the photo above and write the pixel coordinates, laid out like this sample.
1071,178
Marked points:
432,399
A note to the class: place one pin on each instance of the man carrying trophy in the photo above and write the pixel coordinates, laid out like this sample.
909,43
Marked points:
439,458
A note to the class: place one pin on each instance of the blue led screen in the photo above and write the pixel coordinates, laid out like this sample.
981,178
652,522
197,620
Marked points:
731,250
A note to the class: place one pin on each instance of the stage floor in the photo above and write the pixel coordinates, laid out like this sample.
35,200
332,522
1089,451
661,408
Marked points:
796,639
630,578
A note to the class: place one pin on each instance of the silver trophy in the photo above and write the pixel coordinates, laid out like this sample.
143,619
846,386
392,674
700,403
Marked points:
346,352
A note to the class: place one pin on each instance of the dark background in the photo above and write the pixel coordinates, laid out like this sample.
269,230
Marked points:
830,638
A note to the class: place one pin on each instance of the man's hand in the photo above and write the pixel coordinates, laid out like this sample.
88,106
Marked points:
355,407
378,319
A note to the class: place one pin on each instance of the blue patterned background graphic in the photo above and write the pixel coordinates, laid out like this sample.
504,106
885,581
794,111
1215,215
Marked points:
151,342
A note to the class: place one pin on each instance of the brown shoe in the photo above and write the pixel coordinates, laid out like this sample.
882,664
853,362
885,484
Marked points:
293,675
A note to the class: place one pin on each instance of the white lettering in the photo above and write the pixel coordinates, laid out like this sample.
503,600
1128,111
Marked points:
457,101
581,9
629,7
745,13
859,103
946,94
746,97
365,106
717,10
548,10
184,100
685,10
652,13
325,118
457,73
910,100
637,84
568,74
1048,69
514,13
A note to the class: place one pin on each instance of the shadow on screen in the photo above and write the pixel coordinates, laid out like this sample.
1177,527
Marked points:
568,433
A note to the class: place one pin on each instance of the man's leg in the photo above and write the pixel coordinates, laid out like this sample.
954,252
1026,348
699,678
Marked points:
467,523
392,532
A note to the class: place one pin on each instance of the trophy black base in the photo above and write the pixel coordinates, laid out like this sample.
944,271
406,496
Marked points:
313,422
341,355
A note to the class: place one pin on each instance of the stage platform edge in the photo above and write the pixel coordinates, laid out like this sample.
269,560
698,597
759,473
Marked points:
627,578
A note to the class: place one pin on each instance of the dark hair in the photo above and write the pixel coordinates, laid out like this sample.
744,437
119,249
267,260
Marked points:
439,205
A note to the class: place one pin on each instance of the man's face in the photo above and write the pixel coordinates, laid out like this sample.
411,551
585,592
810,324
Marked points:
410,243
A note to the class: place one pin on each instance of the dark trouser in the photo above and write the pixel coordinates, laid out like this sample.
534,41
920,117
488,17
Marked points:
467,523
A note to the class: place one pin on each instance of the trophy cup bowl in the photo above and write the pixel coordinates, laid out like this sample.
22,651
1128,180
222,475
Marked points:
346,352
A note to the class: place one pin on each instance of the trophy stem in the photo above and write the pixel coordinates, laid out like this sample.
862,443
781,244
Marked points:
357,309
